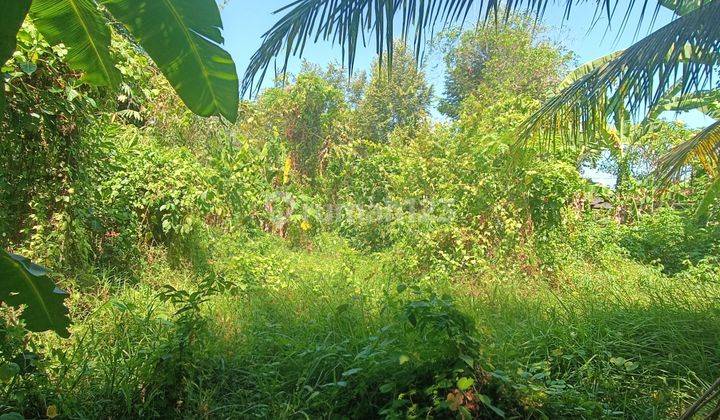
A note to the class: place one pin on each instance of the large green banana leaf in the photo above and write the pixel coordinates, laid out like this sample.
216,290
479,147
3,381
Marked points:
705,101
587,68
25,283
183,38
11,18
81,27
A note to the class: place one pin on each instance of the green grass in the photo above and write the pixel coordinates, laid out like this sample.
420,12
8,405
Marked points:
324,332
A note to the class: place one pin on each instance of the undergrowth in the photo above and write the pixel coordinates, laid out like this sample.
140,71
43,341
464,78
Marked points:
334,332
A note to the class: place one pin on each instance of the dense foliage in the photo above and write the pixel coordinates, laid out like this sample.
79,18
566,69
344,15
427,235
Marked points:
336,252
517,58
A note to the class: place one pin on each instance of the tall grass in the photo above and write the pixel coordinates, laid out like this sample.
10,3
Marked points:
327,333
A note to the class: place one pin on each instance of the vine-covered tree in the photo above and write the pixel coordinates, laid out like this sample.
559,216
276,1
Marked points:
183,39
489,61
399,98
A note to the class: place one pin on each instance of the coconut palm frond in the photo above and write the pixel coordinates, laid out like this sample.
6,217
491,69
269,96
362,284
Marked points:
350,23
681,7
705,147
682,53
347,24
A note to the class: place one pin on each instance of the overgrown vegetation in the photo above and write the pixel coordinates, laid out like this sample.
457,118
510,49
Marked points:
337,253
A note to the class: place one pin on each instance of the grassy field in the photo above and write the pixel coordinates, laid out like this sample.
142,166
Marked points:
327,331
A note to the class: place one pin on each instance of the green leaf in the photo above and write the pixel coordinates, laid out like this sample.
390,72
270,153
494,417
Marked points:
25,283
28,67
488,403
351,372
468,360
12,416
387,388
683,7
8,371
79,25
464,384
11,19
630,366
183,38
617,361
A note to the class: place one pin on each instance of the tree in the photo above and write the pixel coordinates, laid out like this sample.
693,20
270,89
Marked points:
307,115
352,86
638,76
493,60
399,98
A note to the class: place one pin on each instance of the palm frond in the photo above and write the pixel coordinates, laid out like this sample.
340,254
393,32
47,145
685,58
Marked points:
705,147
682,8
682,53
348,23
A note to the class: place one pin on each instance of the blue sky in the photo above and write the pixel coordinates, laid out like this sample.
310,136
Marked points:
245,22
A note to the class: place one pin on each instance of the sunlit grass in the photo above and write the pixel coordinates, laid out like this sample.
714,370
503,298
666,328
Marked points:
614,336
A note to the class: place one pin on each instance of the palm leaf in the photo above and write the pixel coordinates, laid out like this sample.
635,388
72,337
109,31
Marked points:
79,25
24,283
11,19
183,38
614,107
682,53
705,146
348,23
683,7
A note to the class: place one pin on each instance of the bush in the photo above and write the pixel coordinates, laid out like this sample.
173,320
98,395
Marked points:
551,186
667,238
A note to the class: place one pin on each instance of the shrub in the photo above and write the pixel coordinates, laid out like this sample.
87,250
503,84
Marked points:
551,186
666,237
